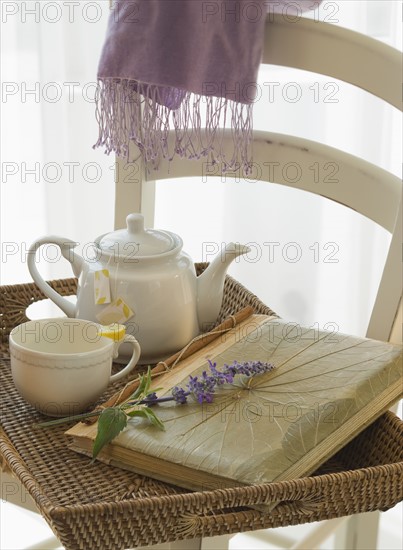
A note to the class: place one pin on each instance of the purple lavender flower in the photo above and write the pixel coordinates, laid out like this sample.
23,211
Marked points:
247,368
202,388
179,395
151,398
218,376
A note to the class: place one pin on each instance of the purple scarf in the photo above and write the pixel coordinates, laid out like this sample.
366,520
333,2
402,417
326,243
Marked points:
186,65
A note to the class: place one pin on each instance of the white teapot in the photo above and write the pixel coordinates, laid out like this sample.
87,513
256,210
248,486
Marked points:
142,278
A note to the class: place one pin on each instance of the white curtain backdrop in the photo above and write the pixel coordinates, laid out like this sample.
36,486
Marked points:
53,182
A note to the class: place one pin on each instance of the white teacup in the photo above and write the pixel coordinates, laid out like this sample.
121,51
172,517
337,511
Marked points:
61,366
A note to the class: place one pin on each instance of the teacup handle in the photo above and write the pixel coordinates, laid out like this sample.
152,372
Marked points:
129,339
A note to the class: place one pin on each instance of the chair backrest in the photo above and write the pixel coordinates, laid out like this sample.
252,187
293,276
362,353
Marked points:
375,193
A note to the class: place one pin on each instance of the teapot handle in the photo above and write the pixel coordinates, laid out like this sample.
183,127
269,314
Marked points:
66,247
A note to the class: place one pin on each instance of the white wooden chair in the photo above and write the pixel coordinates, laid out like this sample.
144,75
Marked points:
346,55
375,193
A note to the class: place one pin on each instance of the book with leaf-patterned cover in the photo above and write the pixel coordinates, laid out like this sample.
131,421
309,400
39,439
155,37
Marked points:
324,390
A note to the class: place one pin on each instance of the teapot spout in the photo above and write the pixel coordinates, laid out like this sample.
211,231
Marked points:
211,285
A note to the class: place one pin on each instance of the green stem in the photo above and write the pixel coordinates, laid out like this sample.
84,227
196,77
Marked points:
67,419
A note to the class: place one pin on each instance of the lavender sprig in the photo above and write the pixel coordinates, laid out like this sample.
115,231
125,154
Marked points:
202,388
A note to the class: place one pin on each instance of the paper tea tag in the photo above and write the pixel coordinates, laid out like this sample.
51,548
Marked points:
102,291
116,312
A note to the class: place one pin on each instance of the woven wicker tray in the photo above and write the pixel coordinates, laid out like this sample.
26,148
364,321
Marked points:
100,507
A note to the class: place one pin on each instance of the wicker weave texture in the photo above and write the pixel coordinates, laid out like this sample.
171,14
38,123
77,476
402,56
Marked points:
95,506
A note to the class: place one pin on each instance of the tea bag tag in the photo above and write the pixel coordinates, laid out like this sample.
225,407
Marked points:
116,312
102,291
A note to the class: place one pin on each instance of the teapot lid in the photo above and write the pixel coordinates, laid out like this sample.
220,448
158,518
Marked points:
147,242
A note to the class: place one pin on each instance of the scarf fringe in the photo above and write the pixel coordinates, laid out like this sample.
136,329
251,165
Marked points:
131,111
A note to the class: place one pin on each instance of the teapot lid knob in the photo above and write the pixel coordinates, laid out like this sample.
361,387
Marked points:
135,223
146,242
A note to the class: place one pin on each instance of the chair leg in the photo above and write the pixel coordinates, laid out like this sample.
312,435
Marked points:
319,534
359,532
216,543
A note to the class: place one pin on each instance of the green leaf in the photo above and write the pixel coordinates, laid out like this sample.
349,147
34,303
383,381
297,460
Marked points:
147,383
143,387
153,418
110,423
139,391
149,414
137,412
